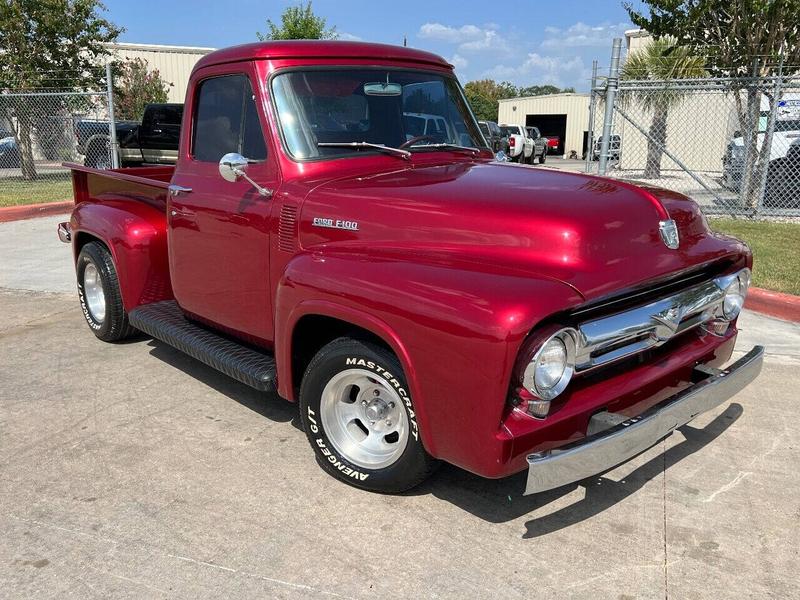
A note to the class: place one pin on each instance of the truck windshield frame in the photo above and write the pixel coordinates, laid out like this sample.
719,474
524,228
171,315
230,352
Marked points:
322,105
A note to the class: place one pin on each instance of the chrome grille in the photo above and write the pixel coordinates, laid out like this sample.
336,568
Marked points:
611,338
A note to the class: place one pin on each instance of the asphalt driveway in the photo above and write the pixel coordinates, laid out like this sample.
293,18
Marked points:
130,470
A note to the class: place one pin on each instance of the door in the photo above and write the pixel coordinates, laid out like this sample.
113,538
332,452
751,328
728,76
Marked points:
529,144
219,230
159,133
538,142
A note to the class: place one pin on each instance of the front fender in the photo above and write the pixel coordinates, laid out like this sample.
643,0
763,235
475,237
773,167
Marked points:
456,332
136,235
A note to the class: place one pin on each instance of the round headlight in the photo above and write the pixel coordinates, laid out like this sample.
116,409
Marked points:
552,367
735,294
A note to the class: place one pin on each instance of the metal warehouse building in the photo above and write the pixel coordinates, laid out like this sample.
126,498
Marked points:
565,116
174,63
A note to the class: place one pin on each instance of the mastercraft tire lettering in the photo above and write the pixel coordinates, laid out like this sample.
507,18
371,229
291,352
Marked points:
360,420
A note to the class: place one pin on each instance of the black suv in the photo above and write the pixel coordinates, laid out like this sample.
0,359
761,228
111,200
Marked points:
494,136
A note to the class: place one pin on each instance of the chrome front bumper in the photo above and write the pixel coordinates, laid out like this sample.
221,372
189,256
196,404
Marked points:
65,232
607,449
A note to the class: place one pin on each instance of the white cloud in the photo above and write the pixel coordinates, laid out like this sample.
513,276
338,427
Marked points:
582,35
452,35
470,38
348,37
539,69
459,62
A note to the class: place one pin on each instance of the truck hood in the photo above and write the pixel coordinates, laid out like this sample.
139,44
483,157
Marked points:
598,235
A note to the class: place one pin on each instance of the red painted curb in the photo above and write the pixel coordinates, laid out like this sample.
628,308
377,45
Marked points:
774,304
31,211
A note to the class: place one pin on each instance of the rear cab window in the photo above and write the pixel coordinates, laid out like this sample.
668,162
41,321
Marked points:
510,130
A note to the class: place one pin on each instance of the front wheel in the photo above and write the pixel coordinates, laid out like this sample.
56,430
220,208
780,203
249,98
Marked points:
358,416
99,294
543,156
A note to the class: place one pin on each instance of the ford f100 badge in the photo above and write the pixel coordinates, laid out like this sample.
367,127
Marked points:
669,234
335,224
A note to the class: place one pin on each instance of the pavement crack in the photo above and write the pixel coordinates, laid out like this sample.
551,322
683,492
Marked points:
297,586
730,485
664,500
7,331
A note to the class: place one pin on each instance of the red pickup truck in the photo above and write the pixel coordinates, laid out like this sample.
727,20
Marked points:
421,301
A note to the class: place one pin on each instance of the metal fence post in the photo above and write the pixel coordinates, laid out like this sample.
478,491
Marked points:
112,126
590,132
611,93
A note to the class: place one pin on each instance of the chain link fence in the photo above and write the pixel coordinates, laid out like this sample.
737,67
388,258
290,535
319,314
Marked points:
40,130
731,144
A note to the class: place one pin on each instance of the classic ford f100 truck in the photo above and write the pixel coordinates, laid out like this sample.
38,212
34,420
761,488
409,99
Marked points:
421,301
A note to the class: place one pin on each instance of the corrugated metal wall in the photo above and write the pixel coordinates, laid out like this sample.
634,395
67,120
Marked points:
574,106
699,127
174,63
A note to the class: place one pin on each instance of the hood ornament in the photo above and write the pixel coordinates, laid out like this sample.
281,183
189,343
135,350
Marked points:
669,234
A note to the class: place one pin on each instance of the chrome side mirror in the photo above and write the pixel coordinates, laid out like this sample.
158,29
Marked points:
233,167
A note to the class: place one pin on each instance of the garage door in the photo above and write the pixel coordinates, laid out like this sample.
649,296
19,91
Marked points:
550,126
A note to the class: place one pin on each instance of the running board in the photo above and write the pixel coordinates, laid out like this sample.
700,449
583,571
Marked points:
165,321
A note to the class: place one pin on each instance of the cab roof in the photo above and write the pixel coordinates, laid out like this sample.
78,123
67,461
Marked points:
327,49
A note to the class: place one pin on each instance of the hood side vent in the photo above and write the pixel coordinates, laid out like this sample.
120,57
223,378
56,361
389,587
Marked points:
287,228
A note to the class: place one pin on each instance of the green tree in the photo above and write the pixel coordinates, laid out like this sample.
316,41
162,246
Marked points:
298,23
735,36
543,90
46,44
664,61
484,95
135,86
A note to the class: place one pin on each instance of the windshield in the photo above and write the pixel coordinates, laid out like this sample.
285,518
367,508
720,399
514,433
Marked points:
321,110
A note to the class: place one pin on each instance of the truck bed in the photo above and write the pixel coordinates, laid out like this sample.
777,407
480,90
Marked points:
142,184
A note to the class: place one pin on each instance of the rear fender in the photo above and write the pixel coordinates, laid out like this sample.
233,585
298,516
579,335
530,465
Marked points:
136,235
456,333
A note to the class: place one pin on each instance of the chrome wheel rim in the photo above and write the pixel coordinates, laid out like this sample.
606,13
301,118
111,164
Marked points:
93,292
364,419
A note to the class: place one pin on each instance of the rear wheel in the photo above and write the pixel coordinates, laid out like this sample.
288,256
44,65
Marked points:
543,156
99,294
98,154
358,416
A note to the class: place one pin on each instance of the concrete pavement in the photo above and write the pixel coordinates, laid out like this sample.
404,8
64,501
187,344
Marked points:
33,258
130,470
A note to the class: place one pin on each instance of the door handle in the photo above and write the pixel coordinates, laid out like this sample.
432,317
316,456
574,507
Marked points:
177,190
186,214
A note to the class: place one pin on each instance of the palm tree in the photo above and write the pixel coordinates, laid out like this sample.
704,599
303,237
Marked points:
664,61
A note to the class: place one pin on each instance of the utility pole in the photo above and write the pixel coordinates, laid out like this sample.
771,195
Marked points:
611,93
592,104
112,126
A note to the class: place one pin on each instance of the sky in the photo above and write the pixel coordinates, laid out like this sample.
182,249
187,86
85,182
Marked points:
526,42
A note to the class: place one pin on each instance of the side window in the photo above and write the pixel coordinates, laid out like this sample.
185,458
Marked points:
226,120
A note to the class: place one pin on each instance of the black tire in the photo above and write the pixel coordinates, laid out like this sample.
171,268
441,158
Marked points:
114,325
412,467
98,155
543,157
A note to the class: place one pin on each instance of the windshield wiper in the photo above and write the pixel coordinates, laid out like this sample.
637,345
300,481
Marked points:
405,154
448,146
